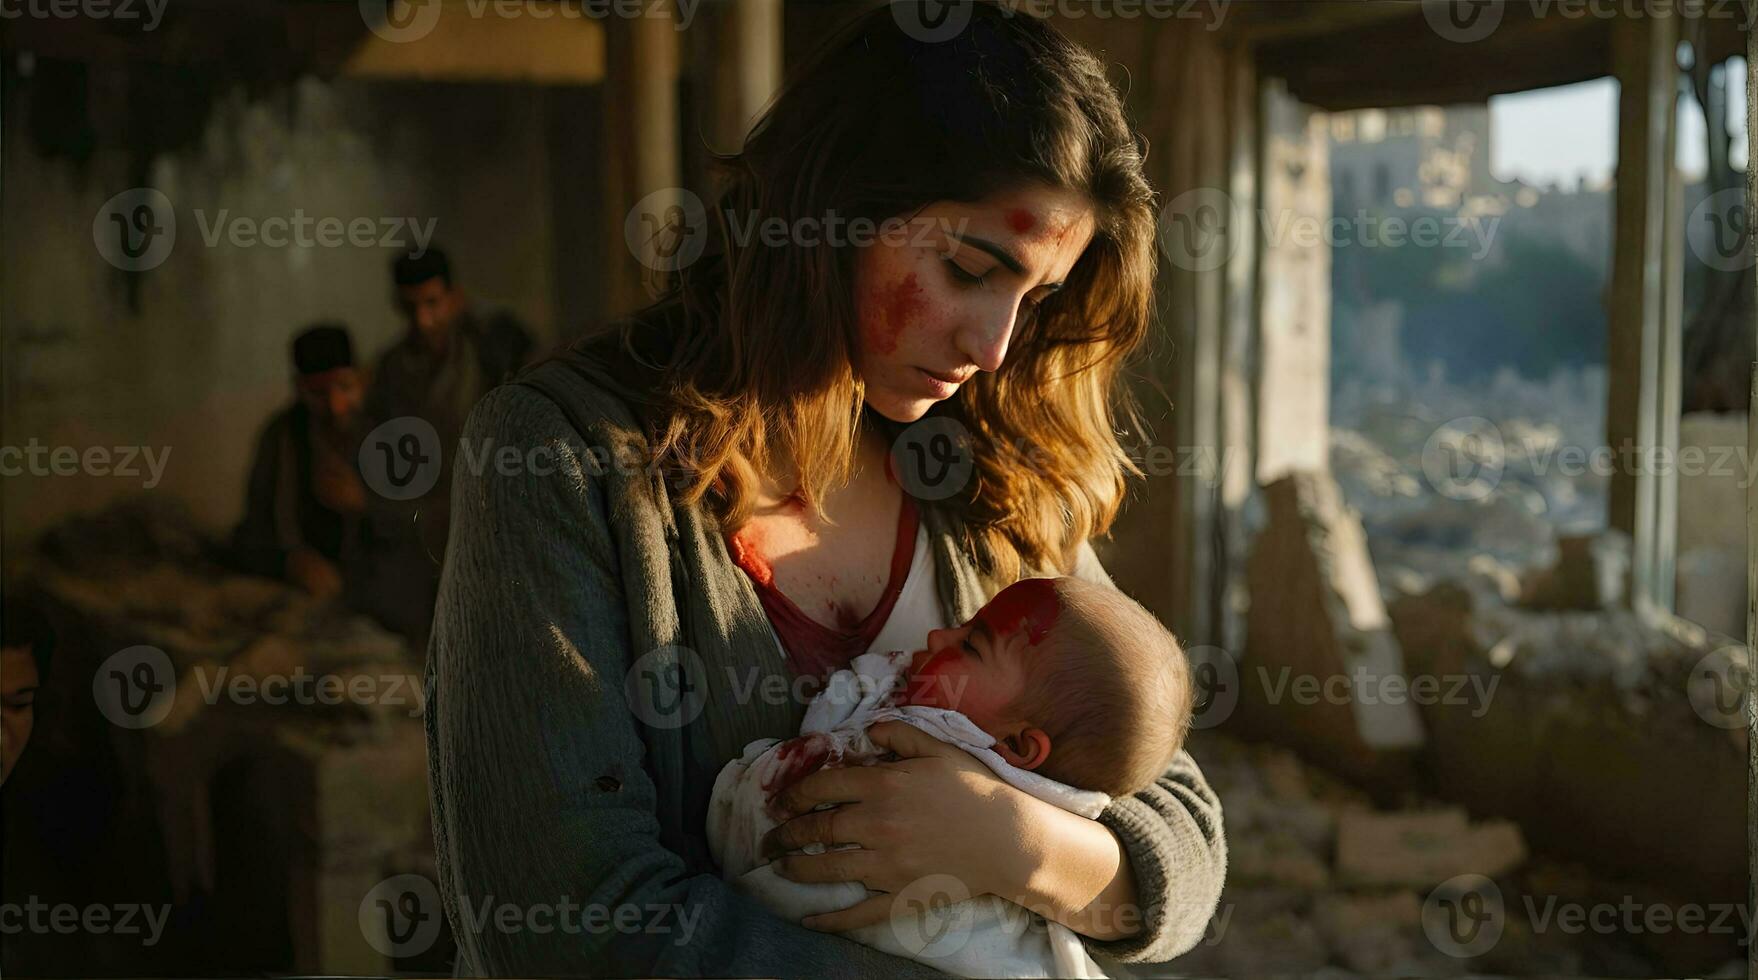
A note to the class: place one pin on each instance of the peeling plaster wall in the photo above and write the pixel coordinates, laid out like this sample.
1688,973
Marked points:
197,366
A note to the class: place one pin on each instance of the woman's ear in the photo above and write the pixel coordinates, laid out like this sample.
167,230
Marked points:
1025,749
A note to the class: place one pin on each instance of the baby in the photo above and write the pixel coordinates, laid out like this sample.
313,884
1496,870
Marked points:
1068,690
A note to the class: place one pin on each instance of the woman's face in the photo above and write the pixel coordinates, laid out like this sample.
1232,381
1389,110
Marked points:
944,298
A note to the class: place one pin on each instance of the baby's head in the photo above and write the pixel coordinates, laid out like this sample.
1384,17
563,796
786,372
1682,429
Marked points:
1072,679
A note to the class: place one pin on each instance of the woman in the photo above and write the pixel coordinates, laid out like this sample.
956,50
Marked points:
705,522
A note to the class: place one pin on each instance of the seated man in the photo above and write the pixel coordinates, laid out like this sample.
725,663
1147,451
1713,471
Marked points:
305,499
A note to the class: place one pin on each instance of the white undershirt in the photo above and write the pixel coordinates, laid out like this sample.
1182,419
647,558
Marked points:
916,611
918,606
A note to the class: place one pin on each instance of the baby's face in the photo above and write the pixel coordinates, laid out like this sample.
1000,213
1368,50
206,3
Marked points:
981,668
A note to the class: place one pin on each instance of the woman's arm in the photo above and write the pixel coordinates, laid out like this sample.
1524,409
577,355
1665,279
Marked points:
545,818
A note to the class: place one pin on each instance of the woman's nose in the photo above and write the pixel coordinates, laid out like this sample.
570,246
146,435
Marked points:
985,340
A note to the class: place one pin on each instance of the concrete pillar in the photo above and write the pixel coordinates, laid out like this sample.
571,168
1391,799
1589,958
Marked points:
1645,57
641,137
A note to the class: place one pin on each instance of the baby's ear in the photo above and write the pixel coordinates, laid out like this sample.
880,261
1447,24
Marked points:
1027,748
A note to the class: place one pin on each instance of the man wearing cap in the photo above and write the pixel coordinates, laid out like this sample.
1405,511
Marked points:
305,498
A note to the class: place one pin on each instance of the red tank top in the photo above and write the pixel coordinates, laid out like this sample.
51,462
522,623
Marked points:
812,648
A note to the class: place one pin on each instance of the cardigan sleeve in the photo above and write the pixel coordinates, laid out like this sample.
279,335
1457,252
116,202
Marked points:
1173,836
541,801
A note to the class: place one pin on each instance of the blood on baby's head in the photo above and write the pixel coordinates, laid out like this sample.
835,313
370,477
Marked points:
1112,689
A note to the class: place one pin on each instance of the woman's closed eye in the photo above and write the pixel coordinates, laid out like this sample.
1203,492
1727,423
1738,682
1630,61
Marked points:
970,280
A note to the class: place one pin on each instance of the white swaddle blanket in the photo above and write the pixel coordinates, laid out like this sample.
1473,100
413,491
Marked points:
985,936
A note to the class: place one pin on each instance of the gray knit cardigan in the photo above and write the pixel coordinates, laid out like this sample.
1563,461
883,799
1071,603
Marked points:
570,769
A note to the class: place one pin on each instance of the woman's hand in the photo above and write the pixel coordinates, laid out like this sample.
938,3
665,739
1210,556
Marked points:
937,810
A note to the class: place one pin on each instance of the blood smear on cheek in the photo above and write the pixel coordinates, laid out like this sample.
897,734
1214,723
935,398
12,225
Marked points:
898,303
1031,603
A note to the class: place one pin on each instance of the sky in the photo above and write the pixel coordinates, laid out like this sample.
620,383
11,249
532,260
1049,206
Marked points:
1553,135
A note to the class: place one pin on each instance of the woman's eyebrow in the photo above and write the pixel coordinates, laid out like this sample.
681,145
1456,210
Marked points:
1001,255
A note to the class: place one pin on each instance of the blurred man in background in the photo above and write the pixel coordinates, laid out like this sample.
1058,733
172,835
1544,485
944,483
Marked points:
450,355
305,499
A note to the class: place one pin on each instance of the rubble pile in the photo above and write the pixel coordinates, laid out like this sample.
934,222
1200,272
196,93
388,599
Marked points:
321,701
1321,881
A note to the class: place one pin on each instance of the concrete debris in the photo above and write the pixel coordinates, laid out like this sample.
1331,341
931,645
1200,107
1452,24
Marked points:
322,705
1421,850
1321,882
1591,572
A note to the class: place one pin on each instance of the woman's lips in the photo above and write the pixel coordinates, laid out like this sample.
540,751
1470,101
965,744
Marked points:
943,385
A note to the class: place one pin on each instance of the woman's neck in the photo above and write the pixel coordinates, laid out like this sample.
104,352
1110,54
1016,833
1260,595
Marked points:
780,481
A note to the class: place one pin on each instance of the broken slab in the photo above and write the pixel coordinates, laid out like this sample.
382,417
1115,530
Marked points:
1592,571
1317,622
1421,850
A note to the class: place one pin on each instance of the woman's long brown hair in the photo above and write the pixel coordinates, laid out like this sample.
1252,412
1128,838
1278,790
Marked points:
751,353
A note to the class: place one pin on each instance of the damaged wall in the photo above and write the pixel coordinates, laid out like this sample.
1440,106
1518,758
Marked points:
189,358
